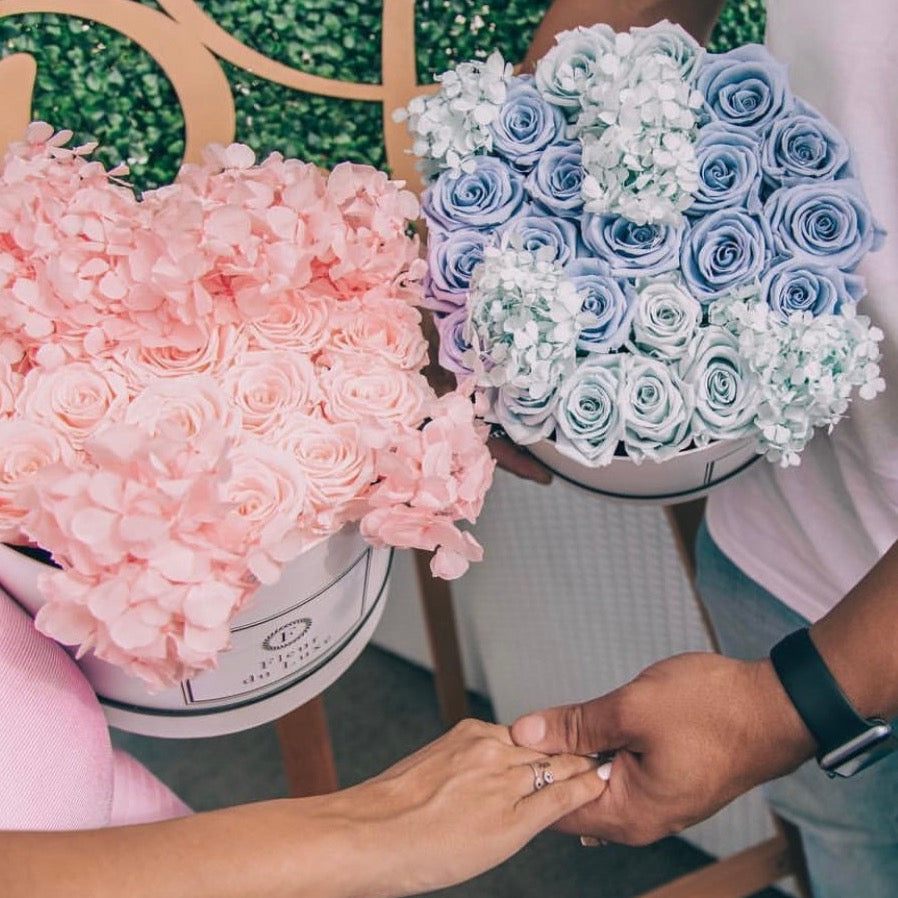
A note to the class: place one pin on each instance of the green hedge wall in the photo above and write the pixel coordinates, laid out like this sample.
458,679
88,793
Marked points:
98,83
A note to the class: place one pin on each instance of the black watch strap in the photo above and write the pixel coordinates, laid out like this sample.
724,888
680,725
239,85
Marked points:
845,740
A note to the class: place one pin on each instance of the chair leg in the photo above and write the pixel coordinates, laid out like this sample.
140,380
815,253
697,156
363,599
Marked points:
306,750
442,635
736,876
789,831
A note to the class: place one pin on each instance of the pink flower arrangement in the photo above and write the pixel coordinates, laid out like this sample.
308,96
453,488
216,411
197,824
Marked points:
198,385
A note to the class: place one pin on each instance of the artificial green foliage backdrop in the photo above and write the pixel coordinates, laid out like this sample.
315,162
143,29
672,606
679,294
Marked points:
104,87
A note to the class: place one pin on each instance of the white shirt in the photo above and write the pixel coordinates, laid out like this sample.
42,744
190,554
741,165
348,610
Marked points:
808,534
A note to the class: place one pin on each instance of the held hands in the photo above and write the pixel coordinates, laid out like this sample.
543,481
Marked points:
458,807
690,733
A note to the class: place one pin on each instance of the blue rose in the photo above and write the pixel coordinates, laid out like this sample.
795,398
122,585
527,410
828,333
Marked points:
525,417
556,179
535,231
745,87
455,350
827,221
656,409
608,306
724,390
590,425
723,250
729,170
804,145
452,257
526,125
797,285
483,198
565,73
632,250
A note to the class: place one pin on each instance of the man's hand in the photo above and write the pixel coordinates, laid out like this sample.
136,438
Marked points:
690,734
517,460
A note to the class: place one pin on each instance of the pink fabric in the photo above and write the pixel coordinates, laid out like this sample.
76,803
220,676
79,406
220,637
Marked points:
59,770
137,796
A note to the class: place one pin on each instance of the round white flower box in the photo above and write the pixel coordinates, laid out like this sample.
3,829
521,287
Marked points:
290,643
688,475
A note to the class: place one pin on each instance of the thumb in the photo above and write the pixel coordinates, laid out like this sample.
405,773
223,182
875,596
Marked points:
580,729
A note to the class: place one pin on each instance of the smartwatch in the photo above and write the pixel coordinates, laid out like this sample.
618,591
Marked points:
846,741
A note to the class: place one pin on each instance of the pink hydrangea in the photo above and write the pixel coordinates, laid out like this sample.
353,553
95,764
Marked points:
428,478
136,530
198,386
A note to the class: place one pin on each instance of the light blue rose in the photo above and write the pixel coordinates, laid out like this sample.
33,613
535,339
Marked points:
555,181
669,40
745,87
729,170
799,285
608,305
666,318
565,73
536,230
454,346
724,391
483,198
525,417
632,250
829,222
724,250
588,414
452,257
804,145
526,125
656,409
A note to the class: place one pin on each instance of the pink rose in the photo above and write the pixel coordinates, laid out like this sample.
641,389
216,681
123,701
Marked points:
301,323
385,328
338,465
25,449
373,392
142,365
268,387
75,399
267,496
185,405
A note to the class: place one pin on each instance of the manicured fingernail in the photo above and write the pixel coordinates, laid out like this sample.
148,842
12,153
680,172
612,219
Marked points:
604,771
530,730
590,841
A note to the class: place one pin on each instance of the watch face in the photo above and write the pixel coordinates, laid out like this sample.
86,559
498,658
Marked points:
860,752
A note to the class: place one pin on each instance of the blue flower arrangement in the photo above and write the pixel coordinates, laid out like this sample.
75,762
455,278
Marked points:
644,248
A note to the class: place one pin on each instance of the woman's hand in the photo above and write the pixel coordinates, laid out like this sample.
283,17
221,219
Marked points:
458,807
452,810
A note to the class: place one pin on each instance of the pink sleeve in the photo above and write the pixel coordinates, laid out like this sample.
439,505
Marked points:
58,768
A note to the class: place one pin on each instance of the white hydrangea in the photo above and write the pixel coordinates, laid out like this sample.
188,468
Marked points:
524,319
807,367
639,125
451,126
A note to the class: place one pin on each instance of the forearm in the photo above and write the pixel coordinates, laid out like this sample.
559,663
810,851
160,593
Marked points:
858,639
696,16
274,849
